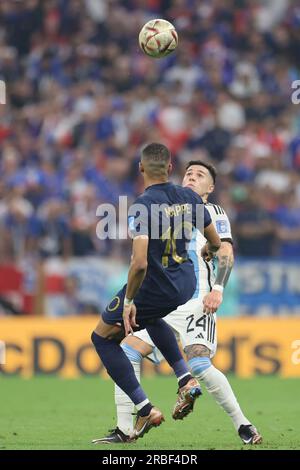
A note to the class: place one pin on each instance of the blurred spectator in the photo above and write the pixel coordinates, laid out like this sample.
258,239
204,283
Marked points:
69,302
254,228
53,230
18,230
287,217
246,81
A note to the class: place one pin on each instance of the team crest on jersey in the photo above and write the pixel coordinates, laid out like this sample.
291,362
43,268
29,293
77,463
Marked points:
114,304
222,226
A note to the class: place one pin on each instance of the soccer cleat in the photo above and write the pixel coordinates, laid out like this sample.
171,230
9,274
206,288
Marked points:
116,437
143,424
249,434
186,399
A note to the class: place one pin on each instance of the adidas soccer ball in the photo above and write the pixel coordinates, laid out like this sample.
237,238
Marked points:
158,38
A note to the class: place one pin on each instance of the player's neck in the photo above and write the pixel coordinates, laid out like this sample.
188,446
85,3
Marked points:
204,197
150,181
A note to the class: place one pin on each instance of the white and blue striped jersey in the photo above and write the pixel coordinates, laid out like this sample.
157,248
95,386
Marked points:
204,271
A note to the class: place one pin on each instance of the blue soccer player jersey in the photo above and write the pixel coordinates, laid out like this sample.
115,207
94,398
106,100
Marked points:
166,214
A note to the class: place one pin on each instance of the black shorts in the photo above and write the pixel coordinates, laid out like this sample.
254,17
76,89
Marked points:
113,313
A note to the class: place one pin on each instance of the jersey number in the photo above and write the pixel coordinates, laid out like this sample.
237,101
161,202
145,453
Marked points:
201,322
206,323
170,248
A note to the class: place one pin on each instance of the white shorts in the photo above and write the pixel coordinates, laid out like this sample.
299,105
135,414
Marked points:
191,326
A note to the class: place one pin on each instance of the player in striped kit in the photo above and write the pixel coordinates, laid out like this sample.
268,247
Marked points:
195,321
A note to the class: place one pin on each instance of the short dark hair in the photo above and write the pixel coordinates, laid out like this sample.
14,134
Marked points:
212,170
156,158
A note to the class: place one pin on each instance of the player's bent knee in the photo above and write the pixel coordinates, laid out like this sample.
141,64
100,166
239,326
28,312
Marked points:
196,350
138,344
106,331
132,354
198,359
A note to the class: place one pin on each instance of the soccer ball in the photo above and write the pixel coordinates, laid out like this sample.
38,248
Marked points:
158,38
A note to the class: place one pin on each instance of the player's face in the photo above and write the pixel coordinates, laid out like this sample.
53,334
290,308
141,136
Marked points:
198,178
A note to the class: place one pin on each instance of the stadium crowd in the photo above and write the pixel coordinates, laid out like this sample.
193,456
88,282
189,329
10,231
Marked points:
82,100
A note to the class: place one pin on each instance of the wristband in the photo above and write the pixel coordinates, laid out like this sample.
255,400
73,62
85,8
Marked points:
218,288
128,301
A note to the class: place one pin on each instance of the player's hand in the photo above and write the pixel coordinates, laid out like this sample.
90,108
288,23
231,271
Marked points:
129,314
206,254
212,302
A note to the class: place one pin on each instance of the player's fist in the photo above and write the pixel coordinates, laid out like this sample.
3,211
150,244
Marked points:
206,254
212,302
129,315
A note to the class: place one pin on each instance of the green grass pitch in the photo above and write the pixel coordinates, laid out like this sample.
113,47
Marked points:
52,413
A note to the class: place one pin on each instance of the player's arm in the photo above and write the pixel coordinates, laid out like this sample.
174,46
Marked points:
136,275
225,263
213,243
138,265
213,300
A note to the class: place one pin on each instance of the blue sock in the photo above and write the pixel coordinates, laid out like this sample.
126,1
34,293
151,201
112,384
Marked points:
135,356
163,337
120,369
132,354
199,365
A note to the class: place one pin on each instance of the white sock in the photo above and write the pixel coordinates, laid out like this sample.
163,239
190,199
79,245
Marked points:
218,386
125,406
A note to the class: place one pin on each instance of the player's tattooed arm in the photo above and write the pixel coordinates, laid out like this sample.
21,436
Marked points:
213,299
225,263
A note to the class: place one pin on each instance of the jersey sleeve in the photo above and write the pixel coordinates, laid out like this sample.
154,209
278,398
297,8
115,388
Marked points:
221,222
207,218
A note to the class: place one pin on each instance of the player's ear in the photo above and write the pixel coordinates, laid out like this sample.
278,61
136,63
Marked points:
141,167
170,168
211,188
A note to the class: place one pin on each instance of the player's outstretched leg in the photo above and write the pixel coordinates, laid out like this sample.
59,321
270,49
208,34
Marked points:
189,388
218,386
125,407
121,371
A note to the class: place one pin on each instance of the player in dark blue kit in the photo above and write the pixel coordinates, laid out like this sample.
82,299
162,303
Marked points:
161,277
